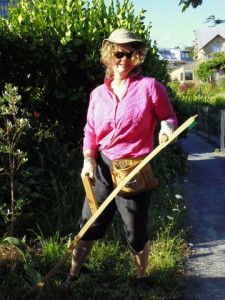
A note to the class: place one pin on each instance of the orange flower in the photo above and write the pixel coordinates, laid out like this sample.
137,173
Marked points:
36,114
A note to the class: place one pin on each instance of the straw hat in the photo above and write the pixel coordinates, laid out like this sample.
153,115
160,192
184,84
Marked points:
123,36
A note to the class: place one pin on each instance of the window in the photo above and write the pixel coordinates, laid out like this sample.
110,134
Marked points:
188,76
181,76
217,46
185,55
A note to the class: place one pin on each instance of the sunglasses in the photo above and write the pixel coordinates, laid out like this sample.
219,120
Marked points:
120,55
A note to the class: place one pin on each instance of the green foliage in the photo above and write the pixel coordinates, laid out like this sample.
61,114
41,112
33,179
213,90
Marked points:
50,50
185,97
187,3
221,84
52,187
49,250
13,124
174,86
204,72
206,69
166,256
170,164
218,101
45,69
206,100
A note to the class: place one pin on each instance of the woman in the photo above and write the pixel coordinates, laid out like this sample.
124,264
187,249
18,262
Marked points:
121,120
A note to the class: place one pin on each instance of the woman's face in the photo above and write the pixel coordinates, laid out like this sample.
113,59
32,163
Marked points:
122,61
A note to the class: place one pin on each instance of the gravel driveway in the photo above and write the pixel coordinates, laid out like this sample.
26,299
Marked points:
204,190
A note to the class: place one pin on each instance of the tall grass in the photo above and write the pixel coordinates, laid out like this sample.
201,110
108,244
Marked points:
110,269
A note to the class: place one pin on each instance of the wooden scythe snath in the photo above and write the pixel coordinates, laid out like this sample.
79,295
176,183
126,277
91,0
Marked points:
73,244
90,194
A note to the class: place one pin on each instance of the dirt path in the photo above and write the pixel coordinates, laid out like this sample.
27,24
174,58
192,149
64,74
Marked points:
205,199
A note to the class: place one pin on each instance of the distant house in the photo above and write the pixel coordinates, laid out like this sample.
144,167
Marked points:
175,56
208,40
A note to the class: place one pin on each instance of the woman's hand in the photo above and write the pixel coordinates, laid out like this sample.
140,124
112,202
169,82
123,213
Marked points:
167,129
89,168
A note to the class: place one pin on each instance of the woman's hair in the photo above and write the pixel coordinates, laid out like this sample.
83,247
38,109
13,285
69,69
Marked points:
107,55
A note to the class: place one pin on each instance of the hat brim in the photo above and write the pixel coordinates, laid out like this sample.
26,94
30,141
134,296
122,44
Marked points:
124,41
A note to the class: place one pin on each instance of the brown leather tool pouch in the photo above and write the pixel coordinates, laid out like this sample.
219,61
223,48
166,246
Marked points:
143,181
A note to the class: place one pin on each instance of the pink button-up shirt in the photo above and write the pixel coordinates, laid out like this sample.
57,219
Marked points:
126,128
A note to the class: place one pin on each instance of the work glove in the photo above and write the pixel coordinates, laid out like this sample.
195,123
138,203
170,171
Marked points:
166,130
89,167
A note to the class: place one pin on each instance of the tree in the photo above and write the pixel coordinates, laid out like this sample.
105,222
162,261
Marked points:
206,69
186,3
215,22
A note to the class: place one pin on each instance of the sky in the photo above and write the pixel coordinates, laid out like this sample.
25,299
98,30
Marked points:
173,28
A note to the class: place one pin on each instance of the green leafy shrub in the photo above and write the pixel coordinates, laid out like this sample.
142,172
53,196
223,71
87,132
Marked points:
53,188
170,164
221,84
50,50
206,69
218,101
174,85
13,124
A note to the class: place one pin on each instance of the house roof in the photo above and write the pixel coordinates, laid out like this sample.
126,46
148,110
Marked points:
166,54
206,34
174,55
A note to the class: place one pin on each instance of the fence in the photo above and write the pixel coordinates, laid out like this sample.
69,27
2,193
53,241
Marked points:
222,138
211,124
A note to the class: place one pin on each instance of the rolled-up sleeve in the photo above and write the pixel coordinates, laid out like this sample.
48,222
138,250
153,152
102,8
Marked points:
163,107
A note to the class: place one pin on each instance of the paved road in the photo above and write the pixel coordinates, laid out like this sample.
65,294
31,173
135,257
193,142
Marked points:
205,199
